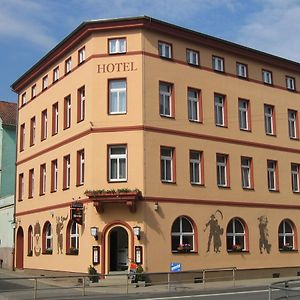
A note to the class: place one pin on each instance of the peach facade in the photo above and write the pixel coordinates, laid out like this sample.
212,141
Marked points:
166,156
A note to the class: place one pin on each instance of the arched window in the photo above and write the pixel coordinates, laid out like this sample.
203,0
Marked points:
30,241
183,235
72,239
47,238
236,235
286,240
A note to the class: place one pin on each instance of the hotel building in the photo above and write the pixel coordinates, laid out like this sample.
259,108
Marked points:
139,140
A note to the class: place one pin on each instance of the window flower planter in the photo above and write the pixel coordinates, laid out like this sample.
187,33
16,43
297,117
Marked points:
48,252
186,248
236,248
73,251
287,248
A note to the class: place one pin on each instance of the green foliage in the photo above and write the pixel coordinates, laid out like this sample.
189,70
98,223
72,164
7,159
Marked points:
94,193
139,273
93,274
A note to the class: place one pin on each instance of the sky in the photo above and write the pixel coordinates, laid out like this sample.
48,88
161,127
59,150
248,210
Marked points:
29,29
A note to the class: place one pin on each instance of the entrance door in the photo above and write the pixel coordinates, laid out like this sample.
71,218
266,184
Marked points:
118,249
20,249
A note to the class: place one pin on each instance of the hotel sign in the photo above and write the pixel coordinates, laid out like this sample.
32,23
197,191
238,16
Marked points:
116,67
77,212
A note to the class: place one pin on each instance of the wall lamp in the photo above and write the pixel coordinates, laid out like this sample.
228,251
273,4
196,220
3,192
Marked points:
156,206
94,232
137,232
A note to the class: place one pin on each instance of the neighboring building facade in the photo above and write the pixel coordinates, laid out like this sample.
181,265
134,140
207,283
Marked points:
8,118
188,147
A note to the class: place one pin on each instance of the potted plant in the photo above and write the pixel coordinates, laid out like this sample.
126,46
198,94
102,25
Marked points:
48,251
93,274
73,251
184,248
236,248
287,247
140,277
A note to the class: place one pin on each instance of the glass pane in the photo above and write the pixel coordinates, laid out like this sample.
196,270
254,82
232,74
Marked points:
122,174
239,240
280,228
186,225
230,227
288,228
168,170
113,102
229,242
289,240
188,239
281,242
238,227
117,84
176,225
175,242
122,102
113,169
117,150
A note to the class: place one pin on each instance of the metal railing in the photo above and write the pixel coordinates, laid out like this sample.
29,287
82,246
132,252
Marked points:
287,289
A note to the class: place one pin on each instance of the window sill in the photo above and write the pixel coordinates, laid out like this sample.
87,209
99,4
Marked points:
268,83
20,200
196,121
248,188
221,126
67,127
184,252
274,191
288,251
168,117
117,113
42,194
66,188
242,77
237,251
53,191
117,53
49,252
223,186
271,134
296,138
197,184
116,181
194,65
291,90
54,133
167,58
168,182
245,130
81,63
79,121
79,184
72,253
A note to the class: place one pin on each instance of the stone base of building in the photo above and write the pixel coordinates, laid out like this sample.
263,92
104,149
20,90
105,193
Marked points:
6,258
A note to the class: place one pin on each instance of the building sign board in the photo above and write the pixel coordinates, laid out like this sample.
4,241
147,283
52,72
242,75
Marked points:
116,67
77,212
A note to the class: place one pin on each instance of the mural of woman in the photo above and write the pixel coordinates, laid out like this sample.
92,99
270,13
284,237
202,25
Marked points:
264,234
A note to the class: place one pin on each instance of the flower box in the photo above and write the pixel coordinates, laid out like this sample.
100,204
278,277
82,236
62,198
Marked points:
185,248
237,248
48,251
287,247
73,251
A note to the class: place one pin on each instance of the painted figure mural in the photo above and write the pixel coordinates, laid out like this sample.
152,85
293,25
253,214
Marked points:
215,231
37,235
59,227
264,234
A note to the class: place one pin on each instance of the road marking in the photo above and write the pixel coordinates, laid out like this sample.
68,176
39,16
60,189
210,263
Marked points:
209,295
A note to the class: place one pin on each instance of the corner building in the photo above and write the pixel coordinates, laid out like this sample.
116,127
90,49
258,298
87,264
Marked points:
170,145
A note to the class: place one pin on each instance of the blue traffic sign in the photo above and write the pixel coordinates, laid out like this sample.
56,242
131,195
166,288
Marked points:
175,267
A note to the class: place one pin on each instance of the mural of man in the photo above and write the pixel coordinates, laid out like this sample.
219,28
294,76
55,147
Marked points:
59,227
264,234
37,234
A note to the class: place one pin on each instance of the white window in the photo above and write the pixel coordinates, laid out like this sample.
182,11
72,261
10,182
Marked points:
290,83
165,99
81,55
21,187
43,179
68,65
218,63
74,236
286,235
54,175
31,183
195,167
236,235
269,119
45,82
295,177
267,77
44,125
192,57
164,50
117,96
67,171
55,118
241,70
193,105
244,114
117,163
48,237
33,91
292,119
166,164
81,104
272,175
80,175
55,74
219,110
246,172
32,131
67,113
182,235
23,100
222,179
117,46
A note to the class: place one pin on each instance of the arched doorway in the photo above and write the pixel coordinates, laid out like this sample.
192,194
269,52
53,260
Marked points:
118,249
20,249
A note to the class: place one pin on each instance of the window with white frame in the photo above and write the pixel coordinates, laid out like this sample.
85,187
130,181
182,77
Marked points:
32,131
56,74
33,91
117,163
44,125
244,114
22,137
166,164
222,170
290,83
192,57
48,237
195,167
241,70
81,104
31,183
286,240
67,112
218,63
219,110
54,175
74,236
45,82
165,50
81,55
165,99
267,77
272,175
80,167
269,119
295,168
117,45
43,175
23,99
183,235
117,96
246,172
292,119
68,65
21,187
194,104
67,172
236,235
55,118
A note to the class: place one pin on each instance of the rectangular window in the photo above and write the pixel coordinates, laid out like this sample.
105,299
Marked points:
167,164
293,124
55,118
165,99
81,55
220,110
241,70
54,175
290,83
117,46
222,170
32,131
196,167
33,91
246,171
194,105
22,137
43,175
117,163
295,177
218,63
21,187
192,57
45,82
80,167
117,96
269,112
67,112
56,74
272,175
31,183
44,125
165,50
23,99
81,104
267,77
68,65
244,114
67,172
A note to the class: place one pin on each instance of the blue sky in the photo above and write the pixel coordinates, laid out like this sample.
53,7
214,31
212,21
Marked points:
31,28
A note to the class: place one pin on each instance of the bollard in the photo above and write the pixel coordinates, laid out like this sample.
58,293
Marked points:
83,286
